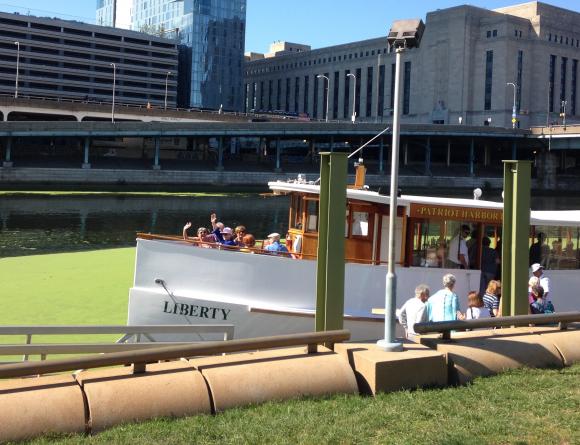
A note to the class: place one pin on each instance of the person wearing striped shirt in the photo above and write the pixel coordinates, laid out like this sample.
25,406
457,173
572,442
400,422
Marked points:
491,297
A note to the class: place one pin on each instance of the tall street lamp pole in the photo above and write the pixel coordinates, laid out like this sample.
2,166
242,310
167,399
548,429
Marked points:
17,68
114,88
514,111
320,76
169,73
389,343
353,117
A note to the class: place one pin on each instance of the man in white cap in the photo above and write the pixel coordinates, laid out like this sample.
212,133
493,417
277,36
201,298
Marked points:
538,272
275,245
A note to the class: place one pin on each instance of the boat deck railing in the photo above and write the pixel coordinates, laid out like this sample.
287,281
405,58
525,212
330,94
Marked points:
134,338
140,359
563,319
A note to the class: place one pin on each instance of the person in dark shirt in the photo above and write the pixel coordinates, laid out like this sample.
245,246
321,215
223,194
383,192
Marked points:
537,249
489,262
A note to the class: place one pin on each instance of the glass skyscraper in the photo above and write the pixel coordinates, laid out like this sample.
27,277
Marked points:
211,33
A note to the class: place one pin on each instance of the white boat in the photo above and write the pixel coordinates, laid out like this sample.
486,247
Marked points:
179,282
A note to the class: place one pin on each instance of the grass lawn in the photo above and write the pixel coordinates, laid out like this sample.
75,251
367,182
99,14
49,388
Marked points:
66,288
526,406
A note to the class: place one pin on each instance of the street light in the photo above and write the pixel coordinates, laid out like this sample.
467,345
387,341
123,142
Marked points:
403,34
563,113
169,73
114,87
353,117
320,76
514,114
17,68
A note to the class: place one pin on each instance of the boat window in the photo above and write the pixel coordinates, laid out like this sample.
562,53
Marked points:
311,215
429,243
296,212
360,224
555,247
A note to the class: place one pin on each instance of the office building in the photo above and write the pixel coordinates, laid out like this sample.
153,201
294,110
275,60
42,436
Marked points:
44,57
473,67
211,35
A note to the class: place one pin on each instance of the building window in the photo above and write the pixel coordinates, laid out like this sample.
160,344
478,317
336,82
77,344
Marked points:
552,81
519,80
494,33
574,86
357,92
279,94
287,101
563,69
381,92
369,91
346,92
488,79
393,69
335,95
407,88
306,88
315,98
270,88
488,34
550,37
261,95
296,93
326,92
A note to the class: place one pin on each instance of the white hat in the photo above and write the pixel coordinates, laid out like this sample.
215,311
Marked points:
536,267
274,235
227,230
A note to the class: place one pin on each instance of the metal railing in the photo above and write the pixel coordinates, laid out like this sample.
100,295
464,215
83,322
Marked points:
445,327
131,339
139,359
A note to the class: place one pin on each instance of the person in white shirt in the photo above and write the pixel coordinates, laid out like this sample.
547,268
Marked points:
538,272
475,308
458,254
413,311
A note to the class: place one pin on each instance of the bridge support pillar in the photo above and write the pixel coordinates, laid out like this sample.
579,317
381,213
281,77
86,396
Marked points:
472,158
448,152
220,165
8,156
86,163
278,169
428,157
156,165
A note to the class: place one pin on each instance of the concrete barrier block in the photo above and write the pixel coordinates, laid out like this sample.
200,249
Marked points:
116,395
35,406
280,374
380,371
488,355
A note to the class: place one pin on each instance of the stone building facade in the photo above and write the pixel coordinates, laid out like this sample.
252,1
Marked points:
460,73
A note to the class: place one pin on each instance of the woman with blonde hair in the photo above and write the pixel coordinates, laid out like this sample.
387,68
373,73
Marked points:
491,297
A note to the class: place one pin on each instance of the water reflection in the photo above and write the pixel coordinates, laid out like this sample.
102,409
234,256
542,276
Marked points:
46,224
35,225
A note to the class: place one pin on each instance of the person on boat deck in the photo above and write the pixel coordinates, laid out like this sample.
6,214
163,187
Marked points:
472,249
249,242
491,297
226,237
544,281
458,255
275,245
240,232
539,251
475,307
203,235
443,305
489,262
413,311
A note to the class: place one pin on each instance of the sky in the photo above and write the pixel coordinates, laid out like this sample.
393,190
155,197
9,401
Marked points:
318,23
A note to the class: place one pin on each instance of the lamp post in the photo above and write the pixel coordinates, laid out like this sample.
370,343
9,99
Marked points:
114,87
514,111
17,68
353,117
169,73
389,343
320,76
563,113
